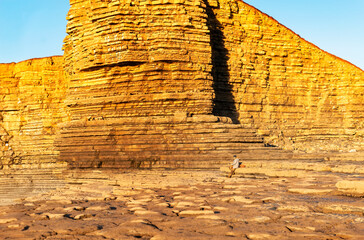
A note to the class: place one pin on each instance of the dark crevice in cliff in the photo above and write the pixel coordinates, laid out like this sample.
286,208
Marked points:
119,64
224,102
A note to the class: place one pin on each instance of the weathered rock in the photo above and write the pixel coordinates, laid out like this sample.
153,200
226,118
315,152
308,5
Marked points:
82,216
7,220
258,236
293,208
146,213
343,209
195,213
353,188
181,84
309,191
53,215
274,214
31,105
261,219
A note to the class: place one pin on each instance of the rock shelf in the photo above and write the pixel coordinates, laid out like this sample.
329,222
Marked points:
187,204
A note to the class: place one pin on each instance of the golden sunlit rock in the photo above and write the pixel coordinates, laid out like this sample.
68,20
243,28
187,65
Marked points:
183,84
180,86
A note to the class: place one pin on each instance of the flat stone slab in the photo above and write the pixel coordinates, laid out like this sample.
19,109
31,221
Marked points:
54,215
7,220
195,213
210,217
145,213
343,209
309,191
353,188
258,208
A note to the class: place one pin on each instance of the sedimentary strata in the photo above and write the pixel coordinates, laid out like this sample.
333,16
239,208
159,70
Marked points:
299,95
182,83
32,95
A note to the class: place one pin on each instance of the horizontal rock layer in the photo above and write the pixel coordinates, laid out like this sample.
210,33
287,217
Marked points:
300,96
32,97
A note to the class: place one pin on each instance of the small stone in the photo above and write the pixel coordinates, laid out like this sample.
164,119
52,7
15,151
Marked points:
163,204
76,208
221,209
261,219
82,216
145,212
195,212
7,220
97,208
205,207
160,237
29,204
111,198
13,226
136,209
309,191
230,234
293,208
271,199
54,215
243,200
211,217
182,204
259,236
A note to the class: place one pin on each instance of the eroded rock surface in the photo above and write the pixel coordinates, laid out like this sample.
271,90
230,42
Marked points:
32,95
185,205
182,83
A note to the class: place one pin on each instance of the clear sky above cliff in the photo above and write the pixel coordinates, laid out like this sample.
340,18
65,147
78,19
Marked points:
36,28
336,26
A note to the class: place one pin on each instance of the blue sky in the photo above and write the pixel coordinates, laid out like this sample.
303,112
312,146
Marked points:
336,26
36,28
31,28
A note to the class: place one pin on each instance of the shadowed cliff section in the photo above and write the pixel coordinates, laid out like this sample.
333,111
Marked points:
224,102
297,95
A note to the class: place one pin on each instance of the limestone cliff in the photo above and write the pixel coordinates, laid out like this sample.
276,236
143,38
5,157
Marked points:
141,89
300,96
177,83
32,93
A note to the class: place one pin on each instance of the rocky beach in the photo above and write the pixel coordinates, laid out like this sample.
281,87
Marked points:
278,202
129,134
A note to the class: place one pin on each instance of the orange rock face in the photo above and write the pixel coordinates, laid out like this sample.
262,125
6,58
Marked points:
178,83
31,105
301,96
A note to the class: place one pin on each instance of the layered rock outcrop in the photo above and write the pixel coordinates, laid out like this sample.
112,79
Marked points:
300,96
141,90
32,95
179,83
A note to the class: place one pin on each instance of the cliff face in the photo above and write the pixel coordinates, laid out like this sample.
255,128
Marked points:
141,88
177,83
138,58
31,105
300,96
